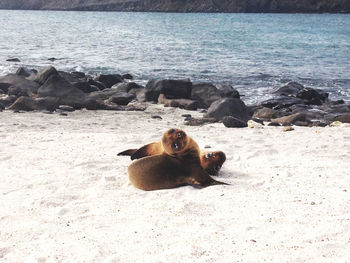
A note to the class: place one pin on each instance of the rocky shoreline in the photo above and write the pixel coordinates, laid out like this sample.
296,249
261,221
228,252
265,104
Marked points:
53,91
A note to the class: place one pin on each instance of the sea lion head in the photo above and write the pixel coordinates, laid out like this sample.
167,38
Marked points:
175,141
212,161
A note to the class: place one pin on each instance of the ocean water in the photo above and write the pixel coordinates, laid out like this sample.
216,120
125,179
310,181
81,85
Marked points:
255,53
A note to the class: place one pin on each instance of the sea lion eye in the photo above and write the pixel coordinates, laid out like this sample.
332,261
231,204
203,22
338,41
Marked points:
175,146
171,131
208,155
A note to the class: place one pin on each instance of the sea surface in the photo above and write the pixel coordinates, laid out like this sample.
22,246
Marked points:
256,53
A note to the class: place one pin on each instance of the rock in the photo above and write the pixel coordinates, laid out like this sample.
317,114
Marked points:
121,98
44,74
186,115
85,87
23,71
273,124
172,89
13,60
232,122
228,107
178,103
265,113
228,91
156,117
7,100
16,91
98,84
58,87
281,102
2,106
25,86
291,119
335,124
254,124
302,123
71,78
288,128
103,94
30,104
140,94
342,108
66,108
127,76
311,96
290,89
199,122
345,118
4,87
52,59
318,124
126,86
205,94
258,121
109,80
78,74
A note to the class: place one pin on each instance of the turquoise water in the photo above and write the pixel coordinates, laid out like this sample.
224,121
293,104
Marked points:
254,52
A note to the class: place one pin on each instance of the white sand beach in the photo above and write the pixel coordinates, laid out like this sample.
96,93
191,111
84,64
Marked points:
65,194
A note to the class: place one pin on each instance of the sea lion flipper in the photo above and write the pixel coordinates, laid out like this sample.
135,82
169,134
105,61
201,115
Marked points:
203,181
128,152
147,150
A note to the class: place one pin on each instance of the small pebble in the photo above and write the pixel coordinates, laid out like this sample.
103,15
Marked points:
288,128
156,117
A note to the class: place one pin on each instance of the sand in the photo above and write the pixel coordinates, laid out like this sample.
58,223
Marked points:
65,194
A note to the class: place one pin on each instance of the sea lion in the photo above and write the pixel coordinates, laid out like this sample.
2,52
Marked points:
210,161
178,165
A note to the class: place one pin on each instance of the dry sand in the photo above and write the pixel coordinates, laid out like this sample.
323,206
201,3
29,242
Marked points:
65,194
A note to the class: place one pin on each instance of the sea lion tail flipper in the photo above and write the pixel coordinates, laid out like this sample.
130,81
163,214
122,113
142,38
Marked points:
206,183
214,182
128,152
147,150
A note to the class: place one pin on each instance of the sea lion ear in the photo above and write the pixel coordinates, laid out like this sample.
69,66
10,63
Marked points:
146,150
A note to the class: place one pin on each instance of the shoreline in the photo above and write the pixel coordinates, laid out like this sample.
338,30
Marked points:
53,90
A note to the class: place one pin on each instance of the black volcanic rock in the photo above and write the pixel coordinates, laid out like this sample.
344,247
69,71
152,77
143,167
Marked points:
122,98
232,122
205,94
57,87
109,80
13,60
290,89
30,104
85,87
172,89
228,107
20,83
23,71
281,102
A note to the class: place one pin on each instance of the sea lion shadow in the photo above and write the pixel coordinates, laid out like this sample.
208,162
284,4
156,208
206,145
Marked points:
233,175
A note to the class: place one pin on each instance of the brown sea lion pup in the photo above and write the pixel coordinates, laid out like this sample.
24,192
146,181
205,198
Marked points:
210,161
178,165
